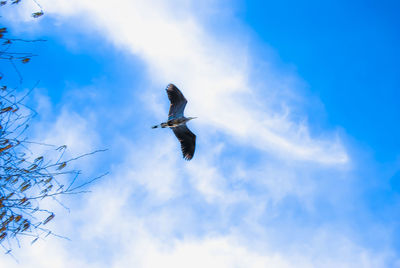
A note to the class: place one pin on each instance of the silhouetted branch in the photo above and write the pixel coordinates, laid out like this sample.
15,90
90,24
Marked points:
26,178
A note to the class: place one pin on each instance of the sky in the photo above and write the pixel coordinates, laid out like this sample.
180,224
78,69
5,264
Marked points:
296,162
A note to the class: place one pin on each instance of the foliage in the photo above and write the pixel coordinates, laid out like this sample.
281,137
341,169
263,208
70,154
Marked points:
27,180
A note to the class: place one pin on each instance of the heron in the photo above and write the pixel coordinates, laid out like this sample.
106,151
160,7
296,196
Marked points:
177,121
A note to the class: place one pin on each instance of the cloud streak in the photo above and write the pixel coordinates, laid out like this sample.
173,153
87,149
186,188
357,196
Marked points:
258,175
215,75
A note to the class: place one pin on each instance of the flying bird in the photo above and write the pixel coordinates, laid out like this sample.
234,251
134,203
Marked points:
177,121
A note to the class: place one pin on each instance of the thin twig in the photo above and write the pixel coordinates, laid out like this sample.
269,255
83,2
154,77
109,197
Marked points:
16,69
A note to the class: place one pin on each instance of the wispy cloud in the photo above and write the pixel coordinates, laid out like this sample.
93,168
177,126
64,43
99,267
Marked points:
216,76
257,170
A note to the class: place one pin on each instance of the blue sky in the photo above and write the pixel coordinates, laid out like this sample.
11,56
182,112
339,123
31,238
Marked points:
296,163
347,54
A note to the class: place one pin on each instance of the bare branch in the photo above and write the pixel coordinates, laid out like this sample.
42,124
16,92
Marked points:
28,178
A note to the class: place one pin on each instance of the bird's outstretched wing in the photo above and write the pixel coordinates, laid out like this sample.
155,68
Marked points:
178,102
187,140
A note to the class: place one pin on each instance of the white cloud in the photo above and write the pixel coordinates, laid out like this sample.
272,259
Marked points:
115,236
150,213
144,215
214,75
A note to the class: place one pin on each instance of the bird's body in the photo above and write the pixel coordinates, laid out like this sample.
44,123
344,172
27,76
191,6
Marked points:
177,121
174,122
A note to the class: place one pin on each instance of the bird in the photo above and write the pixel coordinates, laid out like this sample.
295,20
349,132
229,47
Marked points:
177,121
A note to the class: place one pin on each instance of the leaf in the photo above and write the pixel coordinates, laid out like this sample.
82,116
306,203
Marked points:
2,3
32,167
26,225
37,14
61,148
25,186
3,87
25,60
10,219
5,148
16,1
18,218
4,110
34,240
61,166
38,160
2,236
23,200
49,218
3,30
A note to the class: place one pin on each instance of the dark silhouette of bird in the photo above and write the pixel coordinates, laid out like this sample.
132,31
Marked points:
177,121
